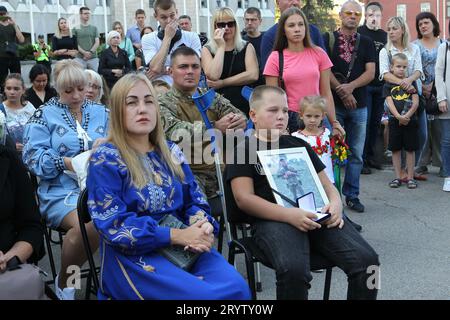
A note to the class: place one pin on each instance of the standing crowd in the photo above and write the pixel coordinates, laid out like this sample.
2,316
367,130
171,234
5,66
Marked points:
132,109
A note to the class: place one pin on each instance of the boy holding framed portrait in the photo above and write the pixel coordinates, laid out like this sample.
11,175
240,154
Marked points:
286,233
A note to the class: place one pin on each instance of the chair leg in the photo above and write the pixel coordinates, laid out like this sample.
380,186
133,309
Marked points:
221,231
258,277
87,294
48,245
326,290
250,275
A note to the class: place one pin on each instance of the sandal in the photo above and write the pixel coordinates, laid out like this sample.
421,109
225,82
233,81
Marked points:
395,183
412,184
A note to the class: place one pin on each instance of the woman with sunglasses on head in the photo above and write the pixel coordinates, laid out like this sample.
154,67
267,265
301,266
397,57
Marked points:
229,62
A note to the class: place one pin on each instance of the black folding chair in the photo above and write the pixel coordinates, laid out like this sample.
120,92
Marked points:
217,212
253,254
92,283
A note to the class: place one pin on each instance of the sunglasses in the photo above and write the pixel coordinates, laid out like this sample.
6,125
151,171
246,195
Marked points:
229,24
351,12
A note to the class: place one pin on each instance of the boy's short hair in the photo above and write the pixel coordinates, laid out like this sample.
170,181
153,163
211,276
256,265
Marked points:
84,9
164,4
258,92
399,56
315,102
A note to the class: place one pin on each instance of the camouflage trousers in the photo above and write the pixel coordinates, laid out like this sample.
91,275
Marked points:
207,181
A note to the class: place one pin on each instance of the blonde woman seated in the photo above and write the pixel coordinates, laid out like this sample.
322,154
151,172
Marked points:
59,130
136,179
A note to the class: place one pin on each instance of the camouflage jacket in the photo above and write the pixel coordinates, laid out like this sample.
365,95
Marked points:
183,124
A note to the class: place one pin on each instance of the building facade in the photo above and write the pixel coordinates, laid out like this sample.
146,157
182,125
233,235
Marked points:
36,17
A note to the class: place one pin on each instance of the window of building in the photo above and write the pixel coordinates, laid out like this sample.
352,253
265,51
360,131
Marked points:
401,11
99,3
239,4
204,4
246,4
151,3
51,2
222,3
425,7
448,8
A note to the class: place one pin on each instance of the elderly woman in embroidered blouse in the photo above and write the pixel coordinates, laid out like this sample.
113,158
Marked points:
58,131
398,41
135,180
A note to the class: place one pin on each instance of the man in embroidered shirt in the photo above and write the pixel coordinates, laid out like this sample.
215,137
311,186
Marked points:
158,45
183,123
350,92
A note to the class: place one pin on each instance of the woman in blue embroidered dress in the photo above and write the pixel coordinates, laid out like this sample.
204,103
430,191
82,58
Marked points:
134,180
58,131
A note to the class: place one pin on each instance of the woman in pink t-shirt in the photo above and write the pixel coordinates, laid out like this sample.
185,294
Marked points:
306,67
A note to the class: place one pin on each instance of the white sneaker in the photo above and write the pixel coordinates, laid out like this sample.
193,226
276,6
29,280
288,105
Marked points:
446,186
64,294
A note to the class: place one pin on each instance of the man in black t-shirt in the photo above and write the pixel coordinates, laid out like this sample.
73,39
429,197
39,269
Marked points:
352,71
251,33
283,234
375,102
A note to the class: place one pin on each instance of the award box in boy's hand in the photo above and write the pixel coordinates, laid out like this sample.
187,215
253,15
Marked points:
308,203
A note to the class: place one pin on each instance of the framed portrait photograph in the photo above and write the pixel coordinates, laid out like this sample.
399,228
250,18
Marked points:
291,174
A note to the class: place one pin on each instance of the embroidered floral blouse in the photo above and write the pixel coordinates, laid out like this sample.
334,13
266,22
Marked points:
126,216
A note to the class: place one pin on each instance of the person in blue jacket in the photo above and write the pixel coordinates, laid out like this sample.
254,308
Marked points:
136,179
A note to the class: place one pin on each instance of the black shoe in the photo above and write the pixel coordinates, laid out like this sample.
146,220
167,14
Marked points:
373,164
358,227
355,205
366,170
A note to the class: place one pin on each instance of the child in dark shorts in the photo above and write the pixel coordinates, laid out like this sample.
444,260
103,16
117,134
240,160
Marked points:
403,124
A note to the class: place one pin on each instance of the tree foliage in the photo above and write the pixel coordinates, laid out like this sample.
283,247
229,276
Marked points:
320,13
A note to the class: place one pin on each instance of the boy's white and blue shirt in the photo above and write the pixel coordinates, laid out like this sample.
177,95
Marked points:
50,135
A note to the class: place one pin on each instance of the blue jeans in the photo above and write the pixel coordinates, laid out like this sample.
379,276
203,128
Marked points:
423,134
288,251
354,122
445,145
375,108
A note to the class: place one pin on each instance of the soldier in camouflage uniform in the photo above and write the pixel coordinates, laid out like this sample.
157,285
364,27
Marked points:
182,120
292,179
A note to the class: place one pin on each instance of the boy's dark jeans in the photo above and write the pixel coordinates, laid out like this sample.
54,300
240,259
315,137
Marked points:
288,250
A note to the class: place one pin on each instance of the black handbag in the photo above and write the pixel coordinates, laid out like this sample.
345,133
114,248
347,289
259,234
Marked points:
184,259
431,105
11,48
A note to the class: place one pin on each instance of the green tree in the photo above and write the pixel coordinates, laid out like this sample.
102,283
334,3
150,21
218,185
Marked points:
320,13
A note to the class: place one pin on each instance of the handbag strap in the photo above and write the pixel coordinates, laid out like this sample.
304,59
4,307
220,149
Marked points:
445,59
280,69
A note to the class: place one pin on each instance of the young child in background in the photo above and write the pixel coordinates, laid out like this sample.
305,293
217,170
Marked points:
403,124
312,112
18,111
